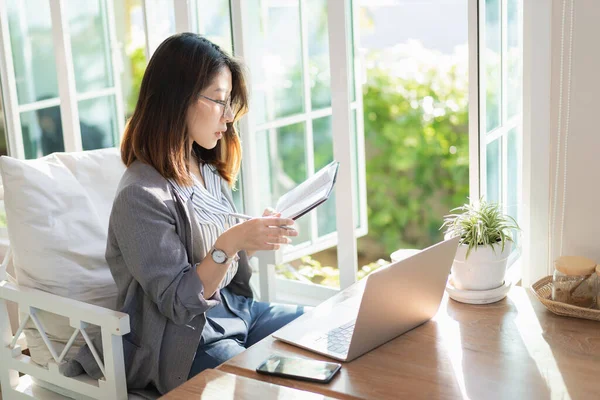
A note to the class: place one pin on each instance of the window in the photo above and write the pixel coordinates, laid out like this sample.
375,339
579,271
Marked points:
62,95
76,93
95,81
289,134
291,129
71,72
159,22
416,121
500,105
213,20
35,77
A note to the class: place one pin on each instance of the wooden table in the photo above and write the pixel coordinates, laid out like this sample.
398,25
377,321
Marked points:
218,385
513,349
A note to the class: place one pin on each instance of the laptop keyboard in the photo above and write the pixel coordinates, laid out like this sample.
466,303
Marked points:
338,339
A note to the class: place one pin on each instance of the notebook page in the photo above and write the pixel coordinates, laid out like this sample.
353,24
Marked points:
301,191
305,203
317,183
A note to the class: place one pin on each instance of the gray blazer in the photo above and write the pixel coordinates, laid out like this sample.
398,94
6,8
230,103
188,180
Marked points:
153,246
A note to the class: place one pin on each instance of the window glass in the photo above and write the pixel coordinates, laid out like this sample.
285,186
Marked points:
276,59
318,53
493,171
323,155
90,46
492,61
514,75
97,120
42,132
33,50
214,22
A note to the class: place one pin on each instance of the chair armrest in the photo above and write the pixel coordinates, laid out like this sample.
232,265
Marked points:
113,325
117,323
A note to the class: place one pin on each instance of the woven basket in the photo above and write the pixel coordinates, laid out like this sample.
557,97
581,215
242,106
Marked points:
543,291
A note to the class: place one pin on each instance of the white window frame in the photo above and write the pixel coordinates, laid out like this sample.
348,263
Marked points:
537,78
184,15
474,156
535,151
65,72
479,137
9,88
500,133
68,98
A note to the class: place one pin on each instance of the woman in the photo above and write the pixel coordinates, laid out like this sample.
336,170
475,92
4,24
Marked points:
179,260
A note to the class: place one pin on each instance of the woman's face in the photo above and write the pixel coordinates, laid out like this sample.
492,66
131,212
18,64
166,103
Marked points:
206,120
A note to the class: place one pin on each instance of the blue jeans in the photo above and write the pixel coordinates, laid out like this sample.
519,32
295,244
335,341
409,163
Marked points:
228,331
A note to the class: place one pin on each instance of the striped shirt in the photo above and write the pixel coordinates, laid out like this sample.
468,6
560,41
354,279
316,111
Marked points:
212,209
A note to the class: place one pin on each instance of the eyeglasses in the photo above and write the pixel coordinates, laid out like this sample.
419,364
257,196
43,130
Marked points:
225,104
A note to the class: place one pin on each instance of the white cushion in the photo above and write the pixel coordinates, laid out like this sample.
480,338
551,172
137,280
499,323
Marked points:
57,211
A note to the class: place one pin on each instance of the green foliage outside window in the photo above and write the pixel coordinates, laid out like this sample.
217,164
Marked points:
417,143
417,160
312,271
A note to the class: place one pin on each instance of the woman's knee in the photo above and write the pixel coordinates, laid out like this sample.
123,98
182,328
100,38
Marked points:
273,317
214,354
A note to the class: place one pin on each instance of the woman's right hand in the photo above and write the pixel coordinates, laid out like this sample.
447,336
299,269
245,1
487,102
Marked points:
266,233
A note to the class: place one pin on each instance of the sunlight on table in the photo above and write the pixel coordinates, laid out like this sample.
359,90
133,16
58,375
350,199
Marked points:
529,328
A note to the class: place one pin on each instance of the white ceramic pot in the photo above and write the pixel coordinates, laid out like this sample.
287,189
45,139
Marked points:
483,270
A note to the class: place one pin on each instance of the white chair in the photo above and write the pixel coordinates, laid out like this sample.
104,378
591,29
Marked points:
57,213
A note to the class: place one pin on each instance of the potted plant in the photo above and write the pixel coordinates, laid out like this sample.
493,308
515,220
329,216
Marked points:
486,238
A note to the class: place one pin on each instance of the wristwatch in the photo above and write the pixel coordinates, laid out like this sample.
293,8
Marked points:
220,257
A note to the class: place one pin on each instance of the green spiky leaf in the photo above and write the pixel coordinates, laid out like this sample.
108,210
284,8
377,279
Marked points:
480,224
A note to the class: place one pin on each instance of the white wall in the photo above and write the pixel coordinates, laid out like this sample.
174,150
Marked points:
582,200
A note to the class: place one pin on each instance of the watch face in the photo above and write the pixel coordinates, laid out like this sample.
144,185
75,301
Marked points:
219,256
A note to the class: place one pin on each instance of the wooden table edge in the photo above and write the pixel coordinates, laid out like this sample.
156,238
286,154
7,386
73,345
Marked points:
323,390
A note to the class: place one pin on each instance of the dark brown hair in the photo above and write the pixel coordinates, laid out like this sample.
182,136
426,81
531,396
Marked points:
182,66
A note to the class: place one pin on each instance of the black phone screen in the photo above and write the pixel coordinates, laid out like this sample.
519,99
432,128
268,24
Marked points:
299,368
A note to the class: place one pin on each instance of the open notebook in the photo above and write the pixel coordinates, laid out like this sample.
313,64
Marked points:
309,194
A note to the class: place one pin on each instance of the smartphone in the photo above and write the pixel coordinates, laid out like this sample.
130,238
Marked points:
299,368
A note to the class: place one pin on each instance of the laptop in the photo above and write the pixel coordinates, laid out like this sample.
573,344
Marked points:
395,299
